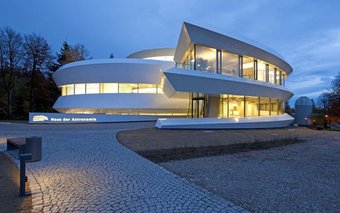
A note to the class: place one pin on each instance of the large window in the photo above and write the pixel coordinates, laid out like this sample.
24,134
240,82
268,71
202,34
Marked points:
236,106
148,88
189,61
252,106
70,89
261,71
230,64
264,106
205,59
223,106
278,77
109,87
92,88
97,88
271,74
79,89
248,67
128,88
280,105
274,107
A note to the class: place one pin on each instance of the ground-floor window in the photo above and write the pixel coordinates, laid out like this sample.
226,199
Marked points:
235,106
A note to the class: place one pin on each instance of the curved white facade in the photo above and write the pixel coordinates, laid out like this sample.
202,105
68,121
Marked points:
208,75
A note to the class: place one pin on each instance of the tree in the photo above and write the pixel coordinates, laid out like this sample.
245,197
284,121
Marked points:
288,109
10,61
36,62
68,54
330,101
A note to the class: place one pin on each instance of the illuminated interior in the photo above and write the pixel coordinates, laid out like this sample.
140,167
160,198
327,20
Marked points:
161,58
98,88
226,63
236,106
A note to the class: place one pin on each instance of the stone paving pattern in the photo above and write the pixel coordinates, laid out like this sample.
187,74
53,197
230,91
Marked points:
85,169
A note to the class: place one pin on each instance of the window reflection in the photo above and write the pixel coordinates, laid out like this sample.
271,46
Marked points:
205,59
248,67
230,64
278,77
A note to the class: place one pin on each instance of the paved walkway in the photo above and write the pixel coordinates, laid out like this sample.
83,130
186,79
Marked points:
85,169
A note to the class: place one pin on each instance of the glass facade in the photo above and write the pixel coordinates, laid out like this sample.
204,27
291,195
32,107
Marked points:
79,89
236,106
109,88
264,106
208,59
70,89
271,74
278,79
92,88
230,64
98,88
252,106
261,71
205,59
274,106
248,67
128,88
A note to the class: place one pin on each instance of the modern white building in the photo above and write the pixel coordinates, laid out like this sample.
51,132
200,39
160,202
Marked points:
209,80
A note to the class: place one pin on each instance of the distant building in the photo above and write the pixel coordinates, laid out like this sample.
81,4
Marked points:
225,82
303,111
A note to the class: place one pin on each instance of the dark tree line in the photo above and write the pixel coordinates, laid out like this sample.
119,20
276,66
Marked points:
26,68
330,102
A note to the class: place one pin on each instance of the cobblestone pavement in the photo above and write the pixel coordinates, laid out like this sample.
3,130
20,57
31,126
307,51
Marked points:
85,169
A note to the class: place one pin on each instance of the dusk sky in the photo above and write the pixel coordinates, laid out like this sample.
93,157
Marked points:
305,33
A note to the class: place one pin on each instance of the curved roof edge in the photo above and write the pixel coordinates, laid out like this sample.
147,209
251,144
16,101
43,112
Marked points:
115,61
192,34
153,53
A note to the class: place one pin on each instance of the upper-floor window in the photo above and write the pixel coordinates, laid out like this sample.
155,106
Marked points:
205,59
248,67
261,71
220,61
271,74
230,64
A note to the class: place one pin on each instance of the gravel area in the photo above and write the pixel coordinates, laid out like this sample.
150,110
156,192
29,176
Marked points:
304,177
156,139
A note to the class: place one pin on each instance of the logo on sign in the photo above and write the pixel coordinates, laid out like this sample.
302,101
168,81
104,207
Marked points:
39,118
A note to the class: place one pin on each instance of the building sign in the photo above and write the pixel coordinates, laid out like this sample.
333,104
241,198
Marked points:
85,118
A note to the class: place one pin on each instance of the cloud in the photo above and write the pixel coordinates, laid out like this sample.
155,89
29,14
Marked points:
315,61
